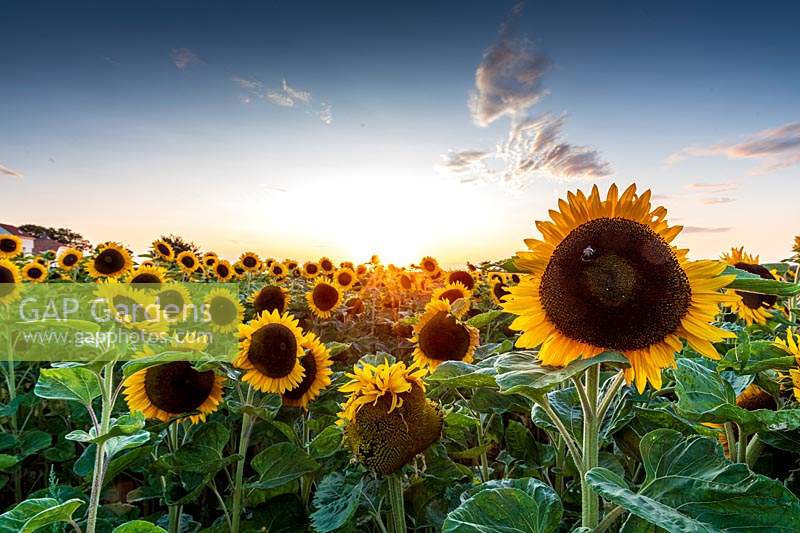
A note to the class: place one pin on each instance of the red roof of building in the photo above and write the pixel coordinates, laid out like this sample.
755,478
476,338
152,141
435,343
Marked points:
13,230
43,245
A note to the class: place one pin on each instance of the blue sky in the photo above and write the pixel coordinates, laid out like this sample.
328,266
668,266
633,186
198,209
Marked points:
406,129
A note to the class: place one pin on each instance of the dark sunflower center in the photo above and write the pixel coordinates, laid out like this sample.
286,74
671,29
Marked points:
614,283
35,273
177,387
429,266
310,365
326,265
249,261
6,276
145,277
273,350
451,295
751,299
269,299
223,271
405,282
325,297
8,245
355,305
109,261
171,301
312,269
444,339
163,249
187,261
69,260
344,278
222,310
461,277
499,290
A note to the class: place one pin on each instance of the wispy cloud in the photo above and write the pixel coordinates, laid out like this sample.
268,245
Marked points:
8,172
717,200
296,94
325,113
280,99
253,85
184,58
700,229
285,96
777,148
508,83
712,187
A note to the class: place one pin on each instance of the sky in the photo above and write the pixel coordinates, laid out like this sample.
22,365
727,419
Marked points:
445,128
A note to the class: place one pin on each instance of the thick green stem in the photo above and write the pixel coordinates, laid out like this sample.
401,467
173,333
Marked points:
569,440
608,520
395,485
590,511
99,459
741,447
754,449
244,441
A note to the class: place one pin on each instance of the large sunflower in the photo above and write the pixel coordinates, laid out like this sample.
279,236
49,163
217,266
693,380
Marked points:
316,364
224,310
111,261
34,272
10,246
187,261
452,292
9,279
270,349
69,258
310,269
323,298
345,278
440,336
752,307
174,389
145,274
270,298
250,261
605,277
164,250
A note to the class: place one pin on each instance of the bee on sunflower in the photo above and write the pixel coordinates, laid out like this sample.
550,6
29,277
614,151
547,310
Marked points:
323,298
9,281
270,298
188,262
10,246
110,261
316,363
751,307
174,390
452,292
225,313
604,276
69,258
34,272
145,274
388,419
270,349
440,336
310,270
250,261
345,278
163,249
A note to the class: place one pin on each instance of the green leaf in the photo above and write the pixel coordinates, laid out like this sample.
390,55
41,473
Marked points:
31,442
36,513
281,463
328,442
138,526
335,501
68,383
690,486
484,319
756,356
124,425
521,372
460,374
703,395
508,505
747,282
7,461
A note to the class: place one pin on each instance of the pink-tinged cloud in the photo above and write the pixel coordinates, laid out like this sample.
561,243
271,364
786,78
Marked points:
701,229
717,200
712,187
183,58
9,172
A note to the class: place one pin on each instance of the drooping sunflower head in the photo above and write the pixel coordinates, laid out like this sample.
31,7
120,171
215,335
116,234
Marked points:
440,336
110,261
270,298
355,306
250,261
291,264
310,269
69,258
9,280
172,390
277,270
344,278
10,246
34,272
361,270
463,277
187,261
238,270
498,291
316,363
323,298
270,349
223,270
147,275
429,265
388,418
604,276
752,307
452,292
326,265
225,313
406,281
163,249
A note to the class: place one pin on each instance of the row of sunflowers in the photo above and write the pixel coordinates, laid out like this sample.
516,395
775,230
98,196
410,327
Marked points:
600,379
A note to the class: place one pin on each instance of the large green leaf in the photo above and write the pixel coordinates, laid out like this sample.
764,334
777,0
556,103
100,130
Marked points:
139,526
486,318
703,395
124,425
328,442
690,486
68,383
522,505
460,374
281,463
747,282
335,501
521,372
756,356
36,513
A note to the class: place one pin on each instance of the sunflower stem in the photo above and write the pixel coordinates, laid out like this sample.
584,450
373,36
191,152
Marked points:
754,449
730,436
590,509
394,483
175,511
107,397
244,441
569,440
11,380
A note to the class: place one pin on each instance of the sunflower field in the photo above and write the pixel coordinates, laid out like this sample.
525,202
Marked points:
599,380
